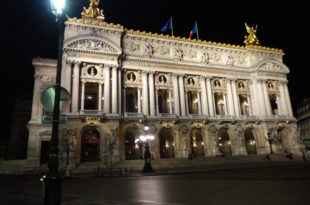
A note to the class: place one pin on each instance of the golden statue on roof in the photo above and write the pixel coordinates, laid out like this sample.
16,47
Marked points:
251,39
93,11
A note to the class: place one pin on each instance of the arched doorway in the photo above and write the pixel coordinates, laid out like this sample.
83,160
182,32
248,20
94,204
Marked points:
250,143
224,142
197,146
90,145
133,149
166,143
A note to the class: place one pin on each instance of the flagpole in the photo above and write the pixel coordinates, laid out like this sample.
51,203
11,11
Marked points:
171,26
197,30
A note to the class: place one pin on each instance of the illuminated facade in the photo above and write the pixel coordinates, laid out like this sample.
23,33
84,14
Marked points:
199,98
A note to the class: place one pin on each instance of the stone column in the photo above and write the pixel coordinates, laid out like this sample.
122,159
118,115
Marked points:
75,87
186,101
288,101
68,76
235,98
225,104
199,103
282,100
36,99
204,99
254,99
170,102
114,90
261,100
82,95
106,89
100,96
267,100
152,93
230,101
120,91
210,98
139,100
63,71
145,101
176,95
249,105
157,103
182,97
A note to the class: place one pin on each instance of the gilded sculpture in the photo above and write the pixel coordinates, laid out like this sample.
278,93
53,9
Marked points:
93,11
251,38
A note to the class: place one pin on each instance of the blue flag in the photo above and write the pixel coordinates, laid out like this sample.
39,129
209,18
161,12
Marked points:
167,26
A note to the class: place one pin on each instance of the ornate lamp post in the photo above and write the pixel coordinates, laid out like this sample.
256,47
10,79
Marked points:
52,180
147,155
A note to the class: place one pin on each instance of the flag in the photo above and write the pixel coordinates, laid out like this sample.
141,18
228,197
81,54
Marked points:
168,25
193,31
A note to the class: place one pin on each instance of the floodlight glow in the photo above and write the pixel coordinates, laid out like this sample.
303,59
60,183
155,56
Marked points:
58,6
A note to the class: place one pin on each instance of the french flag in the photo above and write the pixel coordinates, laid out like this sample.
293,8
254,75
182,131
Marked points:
194,31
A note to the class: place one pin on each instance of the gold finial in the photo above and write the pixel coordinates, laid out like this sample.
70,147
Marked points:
93,11
251,38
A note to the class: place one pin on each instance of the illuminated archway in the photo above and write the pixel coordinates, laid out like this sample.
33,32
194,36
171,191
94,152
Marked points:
250,143
166,143
197,146
224,142
90,145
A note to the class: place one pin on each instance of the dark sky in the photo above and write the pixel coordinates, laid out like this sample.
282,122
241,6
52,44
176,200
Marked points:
29,30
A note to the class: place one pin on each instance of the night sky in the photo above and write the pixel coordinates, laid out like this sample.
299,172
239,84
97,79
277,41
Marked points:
29,30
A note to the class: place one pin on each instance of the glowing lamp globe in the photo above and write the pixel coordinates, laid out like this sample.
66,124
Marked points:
58,6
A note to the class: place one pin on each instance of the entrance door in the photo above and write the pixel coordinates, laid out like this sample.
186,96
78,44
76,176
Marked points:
197,146
133,148
224,142
90,147
166,143
250,143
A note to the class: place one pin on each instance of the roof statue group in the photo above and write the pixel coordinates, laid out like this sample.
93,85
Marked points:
94,12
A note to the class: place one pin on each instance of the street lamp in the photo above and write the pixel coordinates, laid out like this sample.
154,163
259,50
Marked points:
52,180
147,155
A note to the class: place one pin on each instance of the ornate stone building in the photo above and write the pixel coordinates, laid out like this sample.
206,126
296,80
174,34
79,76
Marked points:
303,117
197,96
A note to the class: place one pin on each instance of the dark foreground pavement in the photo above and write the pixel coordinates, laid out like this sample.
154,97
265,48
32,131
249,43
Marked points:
273,184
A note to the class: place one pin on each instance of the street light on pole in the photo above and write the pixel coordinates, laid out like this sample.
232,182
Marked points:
52,180
147,155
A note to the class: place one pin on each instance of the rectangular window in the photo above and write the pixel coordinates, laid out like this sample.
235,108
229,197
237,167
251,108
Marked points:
274,104
131,100
163,101
91,96
244,105
192,99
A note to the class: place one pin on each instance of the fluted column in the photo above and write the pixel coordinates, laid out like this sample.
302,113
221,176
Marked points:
176,95
139,100
225,104
235,97
36,99
145,97
68,76
75,87
82,94
254,99
119,91
288,101
266,98
204,99
210,97
282,100
199,103
152,93
157,102
63,71
182,96
170,102
230,101
114,90
100,96
106,89
261,100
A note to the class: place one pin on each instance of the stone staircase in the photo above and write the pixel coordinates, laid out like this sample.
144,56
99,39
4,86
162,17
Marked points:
176,163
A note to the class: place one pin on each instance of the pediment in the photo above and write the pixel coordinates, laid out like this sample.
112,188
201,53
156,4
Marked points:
92,44
272,66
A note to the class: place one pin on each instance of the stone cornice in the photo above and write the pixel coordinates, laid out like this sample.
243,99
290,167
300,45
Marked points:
184,40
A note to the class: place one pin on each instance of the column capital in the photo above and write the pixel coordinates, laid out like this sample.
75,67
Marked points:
232,79
83,81
262,80
75,62
151,72
100,82
69,61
